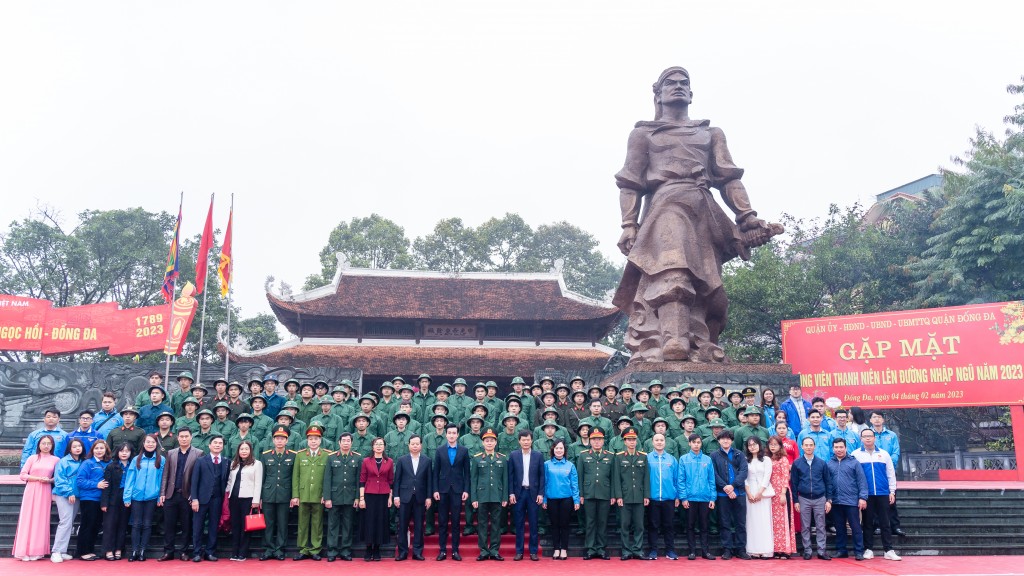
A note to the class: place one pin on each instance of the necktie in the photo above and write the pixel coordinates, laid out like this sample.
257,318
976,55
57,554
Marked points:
216,460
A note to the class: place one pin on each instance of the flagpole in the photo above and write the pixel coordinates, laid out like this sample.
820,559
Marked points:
202,319
227,342
174,288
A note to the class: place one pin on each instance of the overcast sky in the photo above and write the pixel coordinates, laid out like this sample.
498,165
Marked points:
314,112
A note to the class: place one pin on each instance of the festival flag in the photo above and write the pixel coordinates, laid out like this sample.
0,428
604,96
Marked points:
202,262
171,272
224,268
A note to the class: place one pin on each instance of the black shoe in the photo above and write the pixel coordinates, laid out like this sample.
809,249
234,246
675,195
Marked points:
534,557
345,558
184,557
418,557
727,555
878,531
131,558
517,557
604,556
858,557
315,557
743,556
167,556
441,556
692,556
498,557
842,555
481,558
402,557
639,557
211,558
899,532
625,557
331,558
301,557
194,559
824,556
807,555
589,556
456,556
708,556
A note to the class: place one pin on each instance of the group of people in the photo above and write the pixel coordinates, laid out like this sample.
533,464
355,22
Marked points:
410,458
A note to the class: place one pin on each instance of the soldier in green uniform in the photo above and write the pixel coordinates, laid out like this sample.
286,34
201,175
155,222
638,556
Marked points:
397,440
686,391
704,428
223,425
626,399
494,404
276,494
677,411
643,424
458,402
341,497
550,413
433,439
631,488
611,407
519,389
235,403
656,400
342,409
661,427
595,467
718,396
374,425
582,443
671,393
548,436
474,445
201,439
332,425
200,394
508,437
709,443
578,409
308,493
751,428
188,418
185,382
423,399
731,413
703,404
386,407
261,423
362,438
307,404
488,491
167,437
616,444
413,426
242,434
597,419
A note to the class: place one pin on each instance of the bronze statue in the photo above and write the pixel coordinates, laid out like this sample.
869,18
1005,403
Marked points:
672,284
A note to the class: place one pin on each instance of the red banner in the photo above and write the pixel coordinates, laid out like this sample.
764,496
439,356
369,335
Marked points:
937,357
34,325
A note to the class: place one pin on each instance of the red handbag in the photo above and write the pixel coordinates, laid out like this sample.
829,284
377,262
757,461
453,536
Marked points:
255,520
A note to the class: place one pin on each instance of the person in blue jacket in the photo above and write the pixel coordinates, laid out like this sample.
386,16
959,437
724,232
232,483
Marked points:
796,409
51,427
696,491
90,484
889,442
150,412
561,496
664,477
142,492
107,418
849,495
65,493
85,431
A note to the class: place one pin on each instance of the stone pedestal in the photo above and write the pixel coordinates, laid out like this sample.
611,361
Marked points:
703,376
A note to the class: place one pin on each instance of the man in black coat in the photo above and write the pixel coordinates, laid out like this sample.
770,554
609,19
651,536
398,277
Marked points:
209,481
412,490
526,491
451,488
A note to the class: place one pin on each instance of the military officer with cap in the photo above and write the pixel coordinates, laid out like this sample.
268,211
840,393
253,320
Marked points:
341,497
308,493
276,494
595,468
631,489
488,491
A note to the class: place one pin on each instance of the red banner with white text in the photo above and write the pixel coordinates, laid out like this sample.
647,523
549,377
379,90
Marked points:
938,357
29,324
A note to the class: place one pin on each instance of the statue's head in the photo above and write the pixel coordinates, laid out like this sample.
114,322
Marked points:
673,85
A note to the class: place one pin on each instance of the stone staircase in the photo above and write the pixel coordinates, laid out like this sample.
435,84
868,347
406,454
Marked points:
937,521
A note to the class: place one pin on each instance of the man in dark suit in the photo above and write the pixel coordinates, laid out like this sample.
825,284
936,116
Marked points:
451,488
175,490
412,489
526,491
209,481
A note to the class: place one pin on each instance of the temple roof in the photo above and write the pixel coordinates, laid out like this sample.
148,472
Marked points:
470,296
439,357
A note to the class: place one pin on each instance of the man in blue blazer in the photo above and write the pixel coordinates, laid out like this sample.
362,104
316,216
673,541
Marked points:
413,491
451,489
525,491
209,481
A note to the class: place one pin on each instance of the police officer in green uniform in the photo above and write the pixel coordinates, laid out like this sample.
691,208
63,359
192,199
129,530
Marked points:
631,489
341,497
276,494
308,494
595,467
488,491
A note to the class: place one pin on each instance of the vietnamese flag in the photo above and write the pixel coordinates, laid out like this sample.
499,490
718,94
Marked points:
202,261
224,267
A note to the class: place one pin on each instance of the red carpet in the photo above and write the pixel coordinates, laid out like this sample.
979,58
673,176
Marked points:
910,566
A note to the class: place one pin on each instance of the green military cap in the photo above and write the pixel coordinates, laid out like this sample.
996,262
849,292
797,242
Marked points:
584,422
362,415
508,415
219,381
717,387
260,398
687,417
235,384
398,379
703,392
290,404
401,415
714,409
347,382
443,388
376,396
610,385
575,392
283,414
644,390
658,420
197,386
307,384
245,416
458,381
676,400
167,413
254,380
190,400
281,430
387,384
479,405
203,412
291,381
577,377
536,386
270,378
518,380
672,390
549,422
492,384
474,417
405,388
639,407
436,405
734,393
187,374
436,416
686,386
315,429
717,423
157,387
220,405
370,397
325,399
624,418
546,378
339,388
562,386
627,386
547,393
513,397
479,385
654,383
752,410
549,410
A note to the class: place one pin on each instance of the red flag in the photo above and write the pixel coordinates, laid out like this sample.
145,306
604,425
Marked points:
225,264
202,261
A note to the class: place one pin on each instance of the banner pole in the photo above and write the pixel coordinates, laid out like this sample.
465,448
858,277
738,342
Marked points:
167,363
1017,424
227,342
202,318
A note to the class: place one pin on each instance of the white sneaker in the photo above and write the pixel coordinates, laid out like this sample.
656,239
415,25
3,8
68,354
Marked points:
891,555
56,558
868,554
67,556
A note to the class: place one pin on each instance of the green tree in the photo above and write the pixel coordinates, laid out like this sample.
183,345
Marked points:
371,242
584,267
975,252
452,247
506,241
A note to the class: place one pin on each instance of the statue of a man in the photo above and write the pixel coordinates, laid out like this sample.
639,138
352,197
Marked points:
676,245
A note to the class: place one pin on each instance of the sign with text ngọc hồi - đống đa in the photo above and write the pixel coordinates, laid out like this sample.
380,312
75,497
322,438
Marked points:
29,324
937,357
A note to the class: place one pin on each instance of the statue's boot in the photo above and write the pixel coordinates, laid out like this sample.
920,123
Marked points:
674,319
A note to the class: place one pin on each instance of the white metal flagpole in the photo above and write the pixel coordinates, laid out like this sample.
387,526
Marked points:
227,342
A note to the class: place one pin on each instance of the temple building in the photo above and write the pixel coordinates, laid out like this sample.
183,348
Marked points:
475,325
